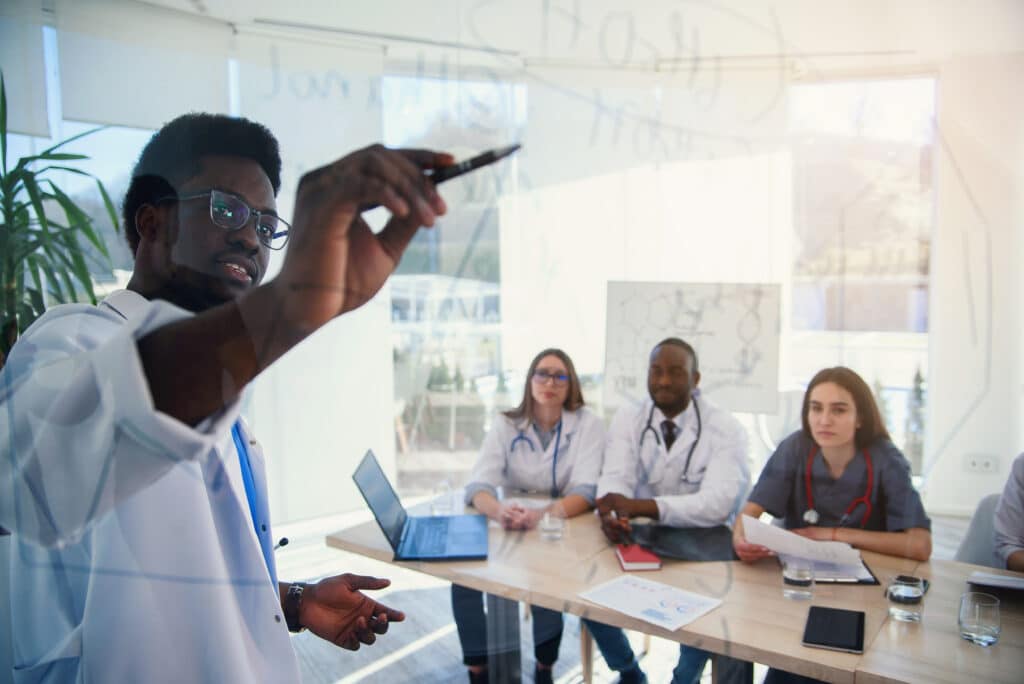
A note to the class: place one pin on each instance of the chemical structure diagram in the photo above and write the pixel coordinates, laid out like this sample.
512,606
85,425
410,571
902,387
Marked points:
733,327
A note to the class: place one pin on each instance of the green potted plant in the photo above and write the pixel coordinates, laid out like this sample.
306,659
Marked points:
43,256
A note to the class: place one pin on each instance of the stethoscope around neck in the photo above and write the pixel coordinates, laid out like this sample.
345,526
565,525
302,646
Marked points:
657,437
811,516
523,437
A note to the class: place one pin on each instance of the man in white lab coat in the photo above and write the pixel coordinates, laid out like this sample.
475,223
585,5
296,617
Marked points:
136,495
681,461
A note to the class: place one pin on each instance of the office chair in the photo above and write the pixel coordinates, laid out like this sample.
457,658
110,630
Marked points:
978,545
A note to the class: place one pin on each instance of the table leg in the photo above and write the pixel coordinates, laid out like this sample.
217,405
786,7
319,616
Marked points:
586,655
503,656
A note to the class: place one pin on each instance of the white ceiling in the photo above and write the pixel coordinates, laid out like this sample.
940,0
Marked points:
623,34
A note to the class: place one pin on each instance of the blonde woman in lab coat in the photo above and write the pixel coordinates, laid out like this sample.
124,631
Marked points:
549,445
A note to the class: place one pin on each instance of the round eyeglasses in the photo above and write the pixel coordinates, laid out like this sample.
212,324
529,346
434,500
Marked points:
232,213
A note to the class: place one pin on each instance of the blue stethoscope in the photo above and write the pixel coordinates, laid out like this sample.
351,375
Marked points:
657,437
523,437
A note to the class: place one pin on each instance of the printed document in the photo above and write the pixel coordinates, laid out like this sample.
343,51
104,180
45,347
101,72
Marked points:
653,602
836,572
791,544
990,579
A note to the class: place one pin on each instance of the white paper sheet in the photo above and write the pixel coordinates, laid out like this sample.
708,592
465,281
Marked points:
791,544
989,579
653,602
835,572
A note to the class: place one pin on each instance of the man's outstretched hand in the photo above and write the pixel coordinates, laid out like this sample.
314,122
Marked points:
336,609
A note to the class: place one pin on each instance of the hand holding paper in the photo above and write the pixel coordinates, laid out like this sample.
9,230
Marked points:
785,542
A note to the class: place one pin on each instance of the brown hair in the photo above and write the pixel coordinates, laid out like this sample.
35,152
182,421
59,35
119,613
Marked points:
872,427
573,398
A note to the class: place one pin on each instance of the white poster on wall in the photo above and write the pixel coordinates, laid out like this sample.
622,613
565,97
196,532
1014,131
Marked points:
733,327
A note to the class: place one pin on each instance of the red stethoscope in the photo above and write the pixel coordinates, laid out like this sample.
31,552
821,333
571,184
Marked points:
811,516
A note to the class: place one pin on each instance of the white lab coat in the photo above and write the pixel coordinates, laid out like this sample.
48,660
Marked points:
527,468
135,557
719,474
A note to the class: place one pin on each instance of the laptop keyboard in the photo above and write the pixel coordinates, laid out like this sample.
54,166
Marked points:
431,536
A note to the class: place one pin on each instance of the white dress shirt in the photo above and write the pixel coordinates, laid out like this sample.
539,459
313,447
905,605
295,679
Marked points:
135,557
1009,516
704,494
513,457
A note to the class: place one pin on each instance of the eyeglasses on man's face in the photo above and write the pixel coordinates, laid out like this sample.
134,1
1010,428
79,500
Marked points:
232,213
542,376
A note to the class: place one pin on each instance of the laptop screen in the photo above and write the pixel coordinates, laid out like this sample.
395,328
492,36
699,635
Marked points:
381,498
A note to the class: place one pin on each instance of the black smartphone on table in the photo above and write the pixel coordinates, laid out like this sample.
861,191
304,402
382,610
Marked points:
836,629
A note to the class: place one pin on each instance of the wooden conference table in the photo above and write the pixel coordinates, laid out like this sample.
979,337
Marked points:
754,622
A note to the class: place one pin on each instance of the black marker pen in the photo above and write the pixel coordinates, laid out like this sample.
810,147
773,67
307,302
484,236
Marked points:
448,172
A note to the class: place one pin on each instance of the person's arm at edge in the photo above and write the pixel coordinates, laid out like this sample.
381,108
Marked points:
1015,561
1008,519
914,543
486,503
569,506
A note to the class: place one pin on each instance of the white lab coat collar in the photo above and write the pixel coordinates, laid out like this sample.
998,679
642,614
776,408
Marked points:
128,304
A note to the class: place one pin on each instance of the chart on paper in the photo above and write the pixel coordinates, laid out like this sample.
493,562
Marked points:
654,602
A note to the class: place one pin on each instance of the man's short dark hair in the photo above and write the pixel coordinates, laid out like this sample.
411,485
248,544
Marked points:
676,342
172,156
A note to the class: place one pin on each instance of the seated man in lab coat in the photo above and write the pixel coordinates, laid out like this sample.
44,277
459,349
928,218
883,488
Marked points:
135,493
681,461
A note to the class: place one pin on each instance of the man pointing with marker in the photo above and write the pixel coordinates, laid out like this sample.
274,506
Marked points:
136,495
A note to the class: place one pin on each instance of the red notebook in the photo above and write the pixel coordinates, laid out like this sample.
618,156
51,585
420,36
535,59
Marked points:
635,557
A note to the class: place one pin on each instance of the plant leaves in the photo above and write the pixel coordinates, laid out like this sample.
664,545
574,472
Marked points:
78,219
73,138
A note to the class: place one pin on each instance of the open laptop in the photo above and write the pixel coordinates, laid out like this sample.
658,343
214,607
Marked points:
435,537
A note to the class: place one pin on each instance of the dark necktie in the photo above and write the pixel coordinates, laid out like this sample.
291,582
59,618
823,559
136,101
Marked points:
668,429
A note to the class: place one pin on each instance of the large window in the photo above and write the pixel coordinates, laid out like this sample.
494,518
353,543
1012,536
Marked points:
863,215
445,296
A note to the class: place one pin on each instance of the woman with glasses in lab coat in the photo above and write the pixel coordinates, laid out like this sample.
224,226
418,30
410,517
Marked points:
548,445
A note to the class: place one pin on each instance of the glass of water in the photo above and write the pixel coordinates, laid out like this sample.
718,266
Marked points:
551,526
905,594
441,504
979,618
798,578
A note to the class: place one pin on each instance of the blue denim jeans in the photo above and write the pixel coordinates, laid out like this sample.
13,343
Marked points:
468,608
619,655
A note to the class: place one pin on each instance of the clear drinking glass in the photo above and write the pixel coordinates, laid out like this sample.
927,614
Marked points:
905,594
441,504
798,578
979,618
551,526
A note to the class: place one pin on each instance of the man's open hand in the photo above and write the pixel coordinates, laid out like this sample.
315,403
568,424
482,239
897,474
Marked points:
335,609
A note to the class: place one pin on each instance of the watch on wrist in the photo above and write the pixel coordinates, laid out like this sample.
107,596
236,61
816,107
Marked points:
292,602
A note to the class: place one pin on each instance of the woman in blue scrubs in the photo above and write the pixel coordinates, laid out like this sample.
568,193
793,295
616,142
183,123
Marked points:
839,478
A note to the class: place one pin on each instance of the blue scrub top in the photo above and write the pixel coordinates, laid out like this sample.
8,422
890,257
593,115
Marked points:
895,504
